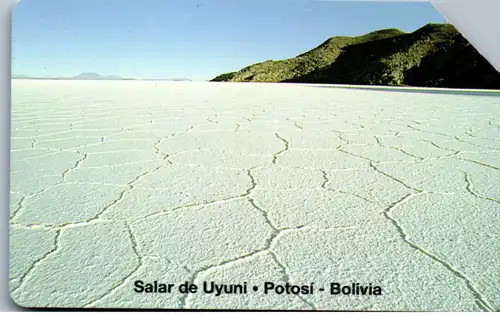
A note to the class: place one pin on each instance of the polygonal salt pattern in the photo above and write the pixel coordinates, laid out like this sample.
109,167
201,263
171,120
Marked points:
114,182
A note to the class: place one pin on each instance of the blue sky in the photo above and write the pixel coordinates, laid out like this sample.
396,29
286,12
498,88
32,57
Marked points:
198,39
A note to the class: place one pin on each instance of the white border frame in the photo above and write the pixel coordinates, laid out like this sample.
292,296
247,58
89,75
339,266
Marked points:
477,20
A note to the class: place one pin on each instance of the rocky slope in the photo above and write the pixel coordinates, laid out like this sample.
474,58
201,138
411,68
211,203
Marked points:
436,55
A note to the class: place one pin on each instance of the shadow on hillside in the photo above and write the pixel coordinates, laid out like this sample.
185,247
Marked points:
407,90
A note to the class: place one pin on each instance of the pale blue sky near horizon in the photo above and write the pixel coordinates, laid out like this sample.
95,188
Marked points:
197,39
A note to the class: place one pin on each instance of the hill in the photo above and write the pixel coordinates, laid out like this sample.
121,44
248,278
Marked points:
436,55
95,76
82,76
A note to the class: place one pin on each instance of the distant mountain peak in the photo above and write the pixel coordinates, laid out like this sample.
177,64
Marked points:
93,76
89,74
82,76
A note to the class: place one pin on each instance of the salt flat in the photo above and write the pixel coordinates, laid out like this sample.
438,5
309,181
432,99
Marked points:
113,182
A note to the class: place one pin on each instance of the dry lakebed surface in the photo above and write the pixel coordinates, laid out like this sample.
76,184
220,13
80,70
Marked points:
118,181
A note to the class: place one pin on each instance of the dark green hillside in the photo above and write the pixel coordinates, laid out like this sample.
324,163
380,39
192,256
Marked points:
321,56
456,65
436,55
